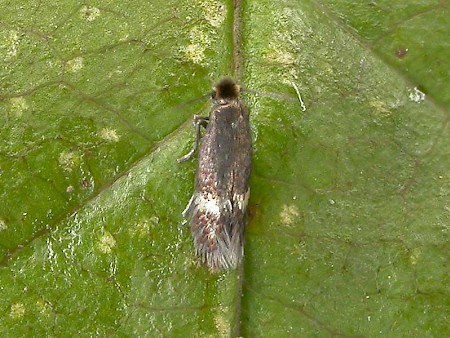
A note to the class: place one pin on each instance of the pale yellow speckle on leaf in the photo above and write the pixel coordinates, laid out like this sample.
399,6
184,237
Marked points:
202,36
289,214
17,310
414,256
142,229
69,160
285,32
109,135
200,41
18,105
194,53
75,65
222,323
43,307
3,225
214,13
9,41
299,250
106,242
379,107
90,13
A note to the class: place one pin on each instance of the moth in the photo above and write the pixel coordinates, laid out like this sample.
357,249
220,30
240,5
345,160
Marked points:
217,210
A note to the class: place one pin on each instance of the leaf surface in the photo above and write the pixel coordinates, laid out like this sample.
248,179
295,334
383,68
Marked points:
349,213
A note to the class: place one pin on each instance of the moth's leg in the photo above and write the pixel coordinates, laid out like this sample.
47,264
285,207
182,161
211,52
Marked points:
198,122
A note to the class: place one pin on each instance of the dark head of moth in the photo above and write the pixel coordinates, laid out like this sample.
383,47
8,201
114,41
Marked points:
217,210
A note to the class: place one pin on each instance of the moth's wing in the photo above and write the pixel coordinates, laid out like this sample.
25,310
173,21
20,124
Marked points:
236,221
239,184
217,225
218,209
211,232
234,198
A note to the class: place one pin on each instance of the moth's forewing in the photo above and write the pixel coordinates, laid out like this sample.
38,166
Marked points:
218,208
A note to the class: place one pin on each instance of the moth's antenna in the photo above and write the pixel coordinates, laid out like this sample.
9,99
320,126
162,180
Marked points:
272,95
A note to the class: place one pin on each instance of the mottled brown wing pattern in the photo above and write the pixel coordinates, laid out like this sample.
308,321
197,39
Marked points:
218,207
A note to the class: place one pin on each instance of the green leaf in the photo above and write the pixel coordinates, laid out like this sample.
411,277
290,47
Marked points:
349,221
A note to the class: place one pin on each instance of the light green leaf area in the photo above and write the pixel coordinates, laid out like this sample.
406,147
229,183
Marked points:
410,35
351,196
91,233
349,213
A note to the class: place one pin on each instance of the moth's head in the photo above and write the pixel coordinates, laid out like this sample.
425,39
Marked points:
226,89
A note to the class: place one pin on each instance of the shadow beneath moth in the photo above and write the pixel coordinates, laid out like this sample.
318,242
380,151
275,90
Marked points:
217,210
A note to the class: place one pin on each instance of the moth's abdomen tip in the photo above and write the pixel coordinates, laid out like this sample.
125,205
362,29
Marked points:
217,254
218,261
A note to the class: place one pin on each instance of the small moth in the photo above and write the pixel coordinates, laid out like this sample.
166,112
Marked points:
218,207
